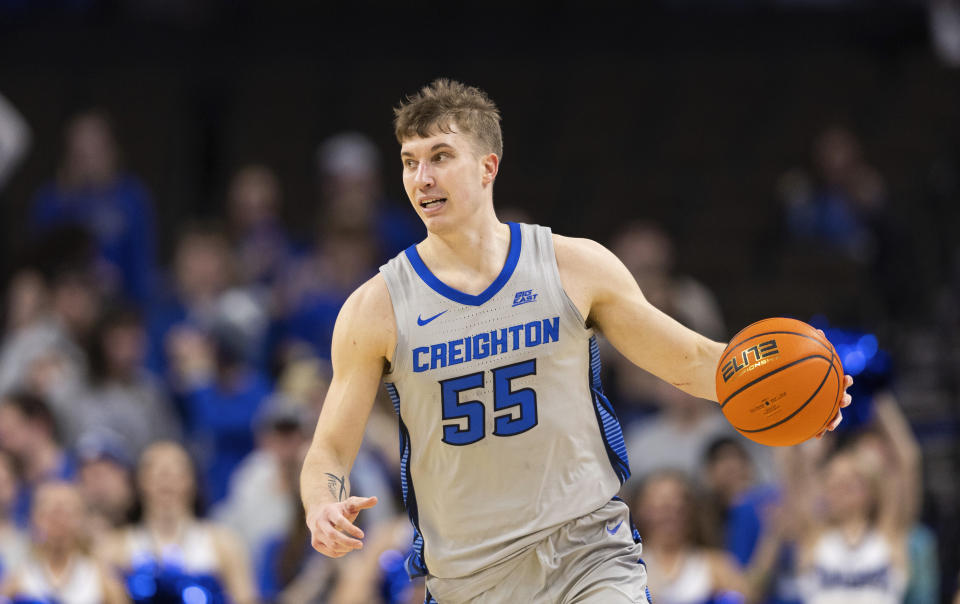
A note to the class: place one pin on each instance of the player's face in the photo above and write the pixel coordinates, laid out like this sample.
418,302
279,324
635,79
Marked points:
446,179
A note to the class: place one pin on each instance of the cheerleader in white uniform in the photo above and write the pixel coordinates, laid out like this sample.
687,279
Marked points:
171,551
854,520
58,568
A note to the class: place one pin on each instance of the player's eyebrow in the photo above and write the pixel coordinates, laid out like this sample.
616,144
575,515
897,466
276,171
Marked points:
432,149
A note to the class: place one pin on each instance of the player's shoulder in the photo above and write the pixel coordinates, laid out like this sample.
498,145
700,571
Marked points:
368,312
370,302
581,257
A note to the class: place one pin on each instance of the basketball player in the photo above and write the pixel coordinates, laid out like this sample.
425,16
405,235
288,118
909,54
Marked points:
484,333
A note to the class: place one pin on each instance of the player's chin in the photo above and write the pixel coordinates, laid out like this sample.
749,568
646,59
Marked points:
437,224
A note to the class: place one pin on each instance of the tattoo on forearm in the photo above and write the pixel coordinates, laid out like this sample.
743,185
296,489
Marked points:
337,485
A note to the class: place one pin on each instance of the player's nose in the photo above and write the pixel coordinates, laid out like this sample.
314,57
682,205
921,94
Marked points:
424,176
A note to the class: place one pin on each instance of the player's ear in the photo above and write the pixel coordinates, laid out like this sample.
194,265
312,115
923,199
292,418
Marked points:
490,165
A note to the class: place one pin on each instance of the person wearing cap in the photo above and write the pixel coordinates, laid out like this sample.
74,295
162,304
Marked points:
262,494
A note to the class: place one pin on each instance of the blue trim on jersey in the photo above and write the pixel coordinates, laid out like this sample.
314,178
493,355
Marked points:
633,525
415,564
429,599
607,418
458,296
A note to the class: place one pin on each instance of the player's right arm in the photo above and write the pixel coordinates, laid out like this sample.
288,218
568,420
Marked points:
363,341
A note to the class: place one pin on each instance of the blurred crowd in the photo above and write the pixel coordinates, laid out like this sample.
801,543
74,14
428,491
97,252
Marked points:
153,418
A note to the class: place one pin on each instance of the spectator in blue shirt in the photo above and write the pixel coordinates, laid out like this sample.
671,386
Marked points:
91,191
221,395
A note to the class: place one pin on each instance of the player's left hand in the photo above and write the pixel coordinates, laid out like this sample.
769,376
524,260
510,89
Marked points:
844,402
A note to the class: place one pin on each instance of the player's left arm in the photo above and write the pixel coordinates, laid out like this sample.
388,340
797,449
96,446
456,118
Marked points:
608,296
611,301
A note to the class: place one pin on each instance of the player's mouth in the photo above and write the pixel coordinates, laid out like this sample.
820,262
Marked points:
432,204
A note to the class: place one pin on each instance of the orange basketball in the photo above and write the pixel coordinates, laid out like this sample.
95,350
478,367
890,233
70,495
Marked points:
779,382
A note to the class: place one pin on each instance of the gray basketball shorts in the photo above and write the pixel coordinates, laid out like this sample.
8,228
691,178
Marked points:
589,560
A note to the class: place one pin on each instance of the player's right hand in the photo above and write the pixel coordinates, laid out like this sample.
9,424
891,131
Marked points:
331,526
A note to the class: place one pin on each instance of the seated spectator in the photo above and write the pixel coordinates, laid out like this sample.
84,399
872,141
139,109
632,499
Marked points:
647,252
834,205
263,493
836,213
205,295
221,395
260,241
744,510
350,185
29,432
357,230
13,541
677,437
38,354
681,568
317,285
105,481
59,569
171,553
742,502
91,191
123,396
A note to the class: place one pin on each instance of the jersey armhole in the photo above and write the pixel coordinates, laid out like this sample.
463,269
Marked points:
396,364
554,268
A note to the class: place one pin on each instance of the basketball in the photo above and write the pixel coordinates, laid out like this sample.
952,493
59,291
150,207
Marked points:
779,382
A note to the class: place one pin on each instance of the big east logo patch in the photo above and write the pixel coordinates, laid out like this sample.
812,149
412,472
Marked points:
741,361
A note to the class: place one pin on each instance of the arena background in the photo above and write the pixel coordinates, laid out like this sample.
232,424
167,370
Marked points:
688,113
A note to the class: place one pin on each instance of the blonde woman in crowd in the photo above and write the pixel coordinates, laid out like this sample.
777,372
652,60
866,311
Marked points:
853,529
59,569
171,548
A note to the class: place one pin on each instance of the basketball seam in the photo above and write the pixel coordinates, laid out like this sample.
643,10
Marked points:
795,411
766,375
836,403
730,347
801,407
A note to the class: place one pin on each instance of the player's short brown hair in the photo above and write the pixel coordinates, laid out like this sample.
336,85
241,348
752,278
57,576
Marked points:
443,103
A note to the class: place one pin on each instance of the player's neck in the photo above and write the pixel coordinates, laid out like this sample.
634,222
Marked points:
480,246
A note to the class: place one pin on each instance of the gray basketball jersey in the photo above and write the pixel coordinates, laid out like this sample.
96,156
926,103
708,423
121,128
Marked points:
505,433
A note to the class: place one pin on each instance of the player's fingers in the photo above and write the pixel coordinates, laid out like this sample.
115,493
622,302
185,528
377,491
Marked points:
342,524
337,542
847,381
324,549
334,536
355,504
820,331
845,401
836,421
